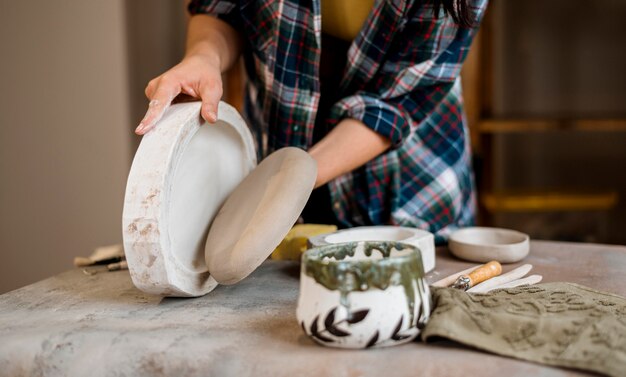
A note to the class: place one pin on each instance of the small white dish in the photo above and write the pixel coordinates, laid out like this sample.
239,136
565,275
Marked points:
481,244
423,240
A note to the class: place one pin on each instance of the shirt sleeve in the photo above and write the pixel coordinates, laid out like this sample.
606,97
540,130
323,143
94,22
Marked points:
417,72
225,10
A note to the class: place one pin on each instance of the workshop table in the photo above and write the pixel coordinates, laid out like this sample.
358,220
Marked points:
74,324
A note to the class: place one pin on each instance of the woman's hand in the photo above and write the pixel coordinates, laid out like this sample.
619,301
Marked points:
212,47
198,76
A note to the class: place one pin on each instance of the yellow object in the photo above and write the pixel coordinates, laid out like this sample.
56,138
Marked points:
344,18
295,242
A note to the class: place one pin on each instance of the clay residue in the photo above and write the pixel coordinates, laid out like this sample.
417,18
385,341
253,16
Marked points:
132,227
146,230
146,233
149,200
151,260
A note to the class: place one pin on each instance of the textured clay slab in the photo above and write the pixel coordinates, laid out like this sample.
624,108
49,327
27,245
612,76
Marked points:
181,175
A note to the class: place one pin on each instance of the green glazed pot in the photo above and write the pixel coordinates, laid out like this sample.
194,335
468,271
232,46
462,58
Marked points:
363,294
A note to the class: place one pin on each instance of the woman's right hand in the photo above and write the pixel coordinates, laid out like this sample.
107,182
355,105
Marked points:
198,76
212,47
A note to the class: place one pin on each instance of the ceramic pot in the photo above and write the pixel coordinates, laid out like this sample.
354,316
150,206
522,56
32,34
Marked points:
363,294
423,240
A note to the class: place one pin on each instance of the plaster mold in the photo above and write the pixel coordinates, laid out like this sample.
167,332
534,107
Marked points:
423,240
181,175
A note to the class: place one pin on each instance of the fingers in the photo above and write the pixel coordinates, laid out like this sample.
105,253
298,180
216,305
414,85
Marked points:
161,95
183,78
211,93
151,87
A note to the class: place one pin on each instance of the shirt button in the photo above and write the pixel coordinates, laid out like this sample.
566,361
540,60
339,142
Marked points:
336,205
296,128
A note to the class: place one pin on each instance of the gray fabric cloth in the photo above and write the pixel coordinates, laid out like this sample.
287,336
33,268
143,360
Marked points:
561,324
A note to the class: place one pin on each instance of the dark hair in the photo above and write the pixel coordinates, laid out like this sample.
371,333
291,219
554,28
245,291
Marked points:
457,9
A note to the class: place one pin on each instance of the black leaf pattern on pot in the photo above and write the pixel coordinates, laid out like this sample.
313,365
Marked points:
421,318
337,332
358,316
396,332
398,326
330,326
316,333
330,318
314,325
373,340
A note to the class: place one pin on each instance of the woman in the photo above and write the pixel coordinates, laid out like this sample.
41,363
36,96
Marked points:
377,105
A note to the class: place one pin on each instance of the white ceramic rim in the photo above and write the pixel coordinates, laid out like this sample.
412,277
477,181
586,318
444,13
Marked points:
384,233
338,235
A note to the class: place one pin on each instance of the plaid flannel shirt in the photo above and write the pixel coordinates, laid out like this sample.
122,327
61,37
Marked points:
401,80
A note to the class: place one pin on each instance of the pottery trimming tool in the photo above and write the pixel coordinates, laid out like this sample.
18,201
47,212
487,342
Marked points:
478,275
497,281
513,278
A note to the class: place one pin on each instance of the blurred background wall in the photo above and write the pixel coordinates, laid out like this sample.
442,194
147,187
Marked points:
561,62
73,73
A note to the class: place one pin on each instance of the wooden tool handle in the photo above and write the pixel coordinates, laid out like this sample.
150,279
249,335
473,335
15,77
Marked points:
485,272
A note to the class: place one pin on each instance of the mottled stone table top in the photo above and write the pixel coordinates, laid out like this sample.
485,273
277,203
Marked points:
101,325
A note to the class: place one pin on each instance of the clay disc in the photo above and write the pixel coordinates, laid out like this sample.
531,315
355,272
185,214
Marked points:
181,175
259,213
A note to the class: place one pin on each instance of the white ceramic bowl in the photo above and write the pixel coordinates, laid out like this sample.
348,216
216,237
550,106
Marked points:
423,240
479,244
363,294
